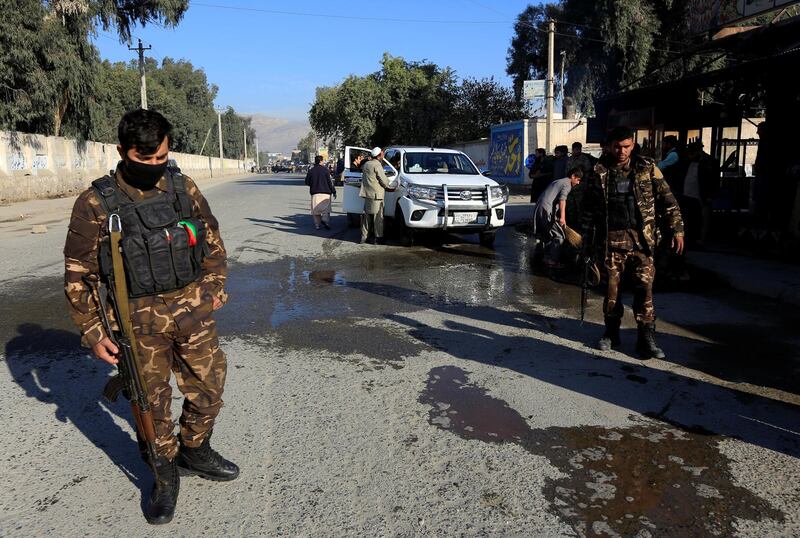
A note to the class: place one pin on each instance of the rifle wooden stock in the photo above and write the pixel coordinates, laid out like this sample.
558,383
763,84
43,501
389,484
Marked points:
129,378
144,423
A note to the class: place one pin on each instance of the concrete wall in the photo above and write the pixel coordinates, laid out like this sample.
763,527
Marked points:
37,166
534,135
477,150
563,133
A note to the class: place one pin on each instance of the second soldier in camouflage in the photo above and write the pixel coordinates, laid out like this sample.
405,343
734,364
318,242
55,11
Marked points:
625,201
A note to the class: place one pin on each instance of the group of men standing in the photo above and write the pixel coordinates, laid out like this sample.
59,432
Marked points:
693,176
374,185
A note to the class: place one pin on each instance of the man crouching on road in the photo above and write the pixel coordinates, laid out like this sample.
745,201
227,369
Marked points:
373,190
173,291
625,200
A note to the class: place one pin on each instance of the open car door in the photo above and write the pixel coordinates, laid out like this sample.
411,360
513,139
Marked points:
352,203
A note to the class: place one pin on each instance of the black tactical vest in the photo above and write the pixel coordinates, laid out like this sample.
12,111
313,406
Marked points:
156,249
623,214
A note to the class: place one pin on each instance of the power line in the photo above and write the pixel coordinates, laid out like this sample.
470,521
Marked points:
592,39
348,17
665,40
488,7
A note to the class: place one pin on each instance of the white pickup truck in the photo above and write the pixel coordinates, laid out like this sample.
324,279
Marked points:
435,189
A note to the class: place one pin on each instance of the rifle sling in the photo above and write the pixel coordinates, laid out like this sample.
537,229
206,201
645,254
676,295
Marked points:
123,308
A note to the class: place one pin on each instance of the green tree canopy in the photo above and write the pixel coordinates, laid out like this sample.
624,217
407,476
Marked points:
479,104
46,70
410,103
49,76
120,15
175,89
609,45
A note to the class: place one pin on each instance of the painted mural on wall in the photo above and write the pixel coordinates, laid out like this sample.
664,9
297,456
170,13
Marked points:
505,153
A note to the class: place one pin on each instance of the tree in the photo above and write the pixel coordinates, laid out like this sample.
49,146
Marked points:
48,66
410,103
46,71
609,45
117,93
122,15
233,128
183,94
527,55
419,95
307,147
479,104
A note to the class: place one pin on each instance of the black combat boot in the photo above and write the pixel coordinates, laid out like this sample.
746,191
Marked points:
164,497
610,338
646,343
205,462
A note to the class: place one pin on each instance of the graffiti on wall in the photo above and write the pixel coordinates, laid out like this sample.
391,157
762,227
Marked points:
17,161
505,153
39,162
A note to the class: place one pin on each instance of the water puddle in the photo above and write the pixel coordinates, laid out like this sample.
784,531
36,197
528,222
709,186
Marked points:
324,276
648,480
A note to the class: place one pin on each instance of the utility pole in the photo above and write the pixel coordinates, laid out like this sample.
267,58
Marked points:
551,30
219,130
245,145
142,76
258,157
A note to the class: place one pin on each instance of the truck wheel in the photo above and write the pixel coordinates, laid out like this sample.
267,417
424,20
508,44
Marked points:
406,234
353,220
486,239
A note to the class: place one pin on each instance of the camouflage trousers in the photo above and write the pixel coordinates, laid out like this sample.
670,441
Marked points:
199,365
625,253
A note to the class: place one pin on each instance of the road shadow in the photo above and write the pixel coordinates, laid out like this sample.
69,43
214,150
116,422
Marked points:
274,182
303,224
53,370
692,404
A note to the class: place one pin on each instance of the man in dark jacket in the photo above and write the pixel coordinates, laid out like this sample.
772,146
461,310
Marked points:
541,174
321,188
560,162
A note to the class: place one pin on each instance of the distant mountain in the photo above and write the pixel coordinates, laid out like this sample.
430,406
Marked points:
278,134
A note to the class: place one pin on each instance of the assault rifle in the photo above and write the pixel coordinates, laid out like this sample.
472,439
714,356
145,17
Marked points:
129,379
587,259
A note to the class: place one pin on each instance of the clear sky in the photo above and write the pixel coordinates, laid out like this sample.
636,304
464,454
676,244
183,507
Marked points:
268,56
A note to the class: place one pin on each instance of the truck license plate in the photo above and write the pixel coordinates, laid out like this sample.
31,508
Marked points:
465,217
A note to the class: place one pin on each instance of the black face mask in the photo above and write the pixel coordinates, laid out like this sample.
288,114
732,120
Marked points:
143,176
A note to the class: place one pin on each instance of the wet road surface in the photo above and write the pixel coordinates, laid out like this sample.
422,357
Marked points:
384,371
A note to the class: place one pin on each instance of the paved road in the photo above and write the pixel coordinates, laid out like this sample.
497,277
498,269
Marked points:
436,390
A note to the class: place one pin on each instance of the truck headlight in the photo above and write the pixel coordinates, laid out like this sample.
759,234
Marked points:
421,193
499,192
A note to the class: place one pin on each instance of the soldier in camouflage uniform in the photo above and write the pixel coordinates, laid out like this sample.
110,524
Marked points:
625,200
175,331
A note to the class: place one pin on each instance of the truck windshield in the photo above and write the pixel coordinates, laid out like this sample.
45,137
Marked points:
438,163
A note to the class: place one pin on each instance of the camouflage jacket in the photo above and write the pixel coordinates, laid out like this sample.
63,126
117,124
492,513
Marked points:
657,205
168,312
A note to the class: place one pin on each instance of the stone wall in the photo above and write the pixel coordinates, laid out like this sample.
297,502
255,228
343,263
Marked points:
37,166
